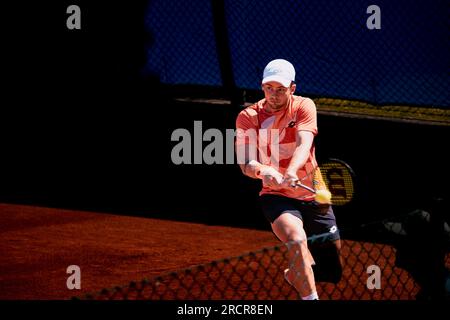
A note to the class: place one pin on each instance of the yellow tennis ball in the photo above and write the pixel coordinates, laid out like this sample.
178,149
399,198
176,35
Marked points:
323,196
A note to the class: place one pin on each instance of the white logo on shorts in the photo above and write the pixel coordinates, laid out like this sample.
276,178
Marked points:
333,229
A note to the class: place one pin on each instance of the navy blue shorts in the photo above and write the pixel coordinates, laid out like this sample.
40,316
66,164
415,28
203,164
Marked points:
317,219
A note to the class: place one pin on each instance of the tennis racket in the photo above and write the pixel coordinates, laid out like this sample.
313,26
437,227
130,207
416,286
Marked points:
339,179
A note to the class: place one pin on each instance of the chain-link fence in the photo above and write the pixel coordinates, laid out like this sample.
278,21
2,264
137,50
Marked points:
221,43
370,271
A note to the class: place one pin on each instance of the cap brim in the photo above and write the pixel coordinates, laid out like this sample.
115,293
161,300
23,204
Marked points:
283,81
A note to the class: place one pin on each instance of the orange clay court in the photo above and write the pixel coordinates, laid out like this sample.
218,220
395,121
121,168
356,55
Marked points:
38,244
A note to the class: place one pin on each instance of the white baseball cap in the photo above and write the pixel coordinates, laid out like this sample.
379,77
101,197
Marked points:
279,70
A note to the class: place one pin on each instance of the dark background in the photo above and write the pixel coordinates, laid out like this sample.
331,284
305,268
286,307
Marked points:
83,127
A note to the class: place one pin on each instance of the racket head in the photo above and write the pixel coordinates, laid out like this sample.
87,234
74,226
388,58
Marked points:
340,180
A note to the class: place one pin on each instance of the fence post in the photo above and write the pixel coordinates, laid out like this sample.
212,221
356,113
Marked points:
224,51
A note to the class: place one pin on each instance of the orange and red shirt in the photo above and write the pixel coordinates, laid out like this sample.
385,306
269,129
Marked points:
276,140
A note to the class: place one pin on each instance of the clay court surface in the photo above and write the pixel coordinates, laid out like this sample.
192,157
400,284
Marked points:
38,244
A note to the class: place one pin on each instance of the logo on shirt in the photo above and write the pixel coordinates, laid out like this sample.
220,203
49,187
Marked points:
291,124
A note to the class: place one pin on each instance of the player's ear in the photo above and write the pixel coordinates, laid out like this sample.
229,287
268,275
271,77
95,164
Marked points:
293,87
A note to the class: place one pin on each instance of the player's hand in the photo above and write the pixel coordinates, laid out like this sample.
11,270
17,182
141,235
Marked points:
271,177
290,179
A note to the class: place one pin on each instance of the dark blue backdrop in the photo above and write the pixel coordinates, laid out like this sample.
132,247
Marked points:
406,62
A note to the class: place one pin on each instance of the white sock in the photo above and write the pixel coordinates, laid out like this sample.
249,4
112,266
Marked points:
312,296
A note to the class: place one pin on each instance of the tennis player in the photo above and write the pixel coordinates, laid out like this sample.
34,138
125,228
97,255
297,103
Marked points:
285,127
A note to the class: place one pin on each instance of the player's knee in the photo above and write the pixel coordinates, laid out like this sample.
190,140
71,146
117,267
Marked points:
287,233
296,234
296,237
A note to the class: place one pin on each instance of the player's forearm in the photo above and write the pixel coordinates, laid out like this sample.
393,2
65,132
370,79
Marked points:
299,158
301,153
252,169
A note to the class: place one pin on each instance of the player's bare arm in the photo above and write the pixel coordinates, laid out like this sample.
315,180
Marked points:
269,175
256,170
304,141
251,168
